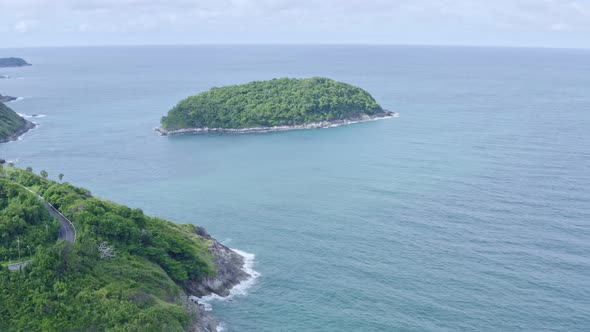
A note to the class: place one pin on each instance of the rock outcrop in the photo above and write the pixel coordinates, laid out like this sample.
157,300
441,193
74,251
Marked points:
229,267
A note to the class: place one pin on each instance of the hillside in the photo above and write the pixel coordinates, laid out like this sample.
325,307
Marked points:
278,102
125,271
13,62
23,218
11,124
5,99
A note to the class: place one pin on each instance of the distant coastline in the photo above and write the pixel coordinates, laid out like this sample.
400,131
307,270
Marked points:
13,62
313,125
6,99
20,132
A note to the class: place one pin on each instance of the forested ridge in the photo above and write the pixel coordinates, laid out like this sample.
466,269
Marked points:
277,102
13,62
124,272
10,122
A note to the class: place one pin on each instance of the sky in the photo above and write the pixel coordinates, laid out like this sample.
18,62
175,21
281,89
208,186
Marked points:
528,23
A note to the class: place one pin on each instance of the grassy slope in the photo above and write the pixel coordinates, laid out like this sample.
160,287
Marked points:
10,122
68,287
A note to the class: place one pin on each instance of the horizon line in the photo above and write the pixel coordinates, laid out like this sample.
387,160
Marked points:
302,44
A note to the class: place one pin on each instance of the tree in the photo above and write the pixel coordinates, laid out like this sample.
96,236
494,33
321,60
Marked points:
60,177
29,169
44,174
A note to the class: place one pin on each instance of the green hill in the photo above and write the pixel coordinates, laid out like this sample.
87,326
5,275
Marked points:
143,286
13,62
23,218
11,124
278,102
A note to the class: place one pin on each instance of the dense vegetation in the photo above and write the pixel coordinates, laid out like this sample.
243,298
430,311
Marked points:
276,102
13,62
23,218
73,287
10,122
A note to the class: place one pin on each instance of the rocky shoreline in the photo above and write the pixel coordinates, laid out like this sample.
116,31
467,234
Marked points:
230,273
5,99
14,137
313,125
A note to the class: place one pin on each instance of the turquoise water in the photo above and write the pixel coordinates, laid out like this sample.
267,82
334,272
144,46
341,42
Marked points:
469,212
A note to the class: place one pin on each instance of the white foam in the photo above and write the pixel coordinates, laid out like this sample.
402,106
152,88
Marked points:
240,289
221,327
27,116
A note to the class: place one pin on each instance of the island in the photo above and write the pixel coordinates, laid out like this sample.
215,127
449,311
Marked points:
278,104
13,62
5,99
117,270
12,126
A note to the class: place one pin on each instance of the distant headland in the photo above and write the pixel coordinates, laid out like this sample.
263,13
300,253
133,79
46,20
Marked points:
278,104
13,62
12,126
5,99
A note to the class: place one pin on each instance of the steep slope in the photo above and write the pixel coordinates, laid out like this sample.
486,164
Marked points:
11,124
125,271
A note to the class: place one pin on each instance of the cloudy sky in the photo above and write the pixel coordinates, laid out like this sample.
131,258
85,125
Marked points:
547,23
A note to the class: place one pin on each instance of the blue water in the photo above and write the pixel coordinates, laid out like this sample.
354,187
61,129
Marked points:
469,212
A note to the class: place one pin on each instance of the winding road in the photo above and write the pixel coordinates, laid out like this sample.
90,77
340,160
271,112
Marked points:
67,232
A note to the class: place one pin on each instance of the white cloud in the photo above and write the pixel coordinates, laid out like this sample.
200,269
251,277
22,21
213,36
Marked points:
25,25
438,21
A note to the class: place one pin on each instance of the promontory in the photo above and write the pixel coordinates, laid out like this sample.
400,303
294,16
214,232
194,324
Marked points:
5,99
121,271
278,104
13,62
12,125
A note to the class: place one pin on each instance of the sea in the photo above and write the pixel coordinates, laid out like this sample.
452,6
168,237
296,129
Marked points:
468,212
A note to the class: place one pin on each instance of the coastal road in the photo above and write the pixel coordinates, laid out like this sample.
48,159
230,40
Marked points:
67,232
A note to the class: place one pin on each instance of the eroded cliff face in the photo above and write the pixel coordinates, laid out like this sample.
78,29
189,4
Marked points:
229,266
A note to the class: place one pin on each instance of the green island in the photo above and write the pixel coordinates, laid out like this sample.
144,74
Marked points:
124,271
278,104
13,62
11,124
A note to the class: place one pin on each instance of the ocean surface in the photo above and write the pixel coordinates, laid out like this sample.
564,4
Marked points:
469,212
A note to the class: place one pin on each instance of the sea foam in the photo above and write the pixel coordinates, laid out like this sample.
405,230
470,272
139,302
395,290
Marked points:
27,116
240,289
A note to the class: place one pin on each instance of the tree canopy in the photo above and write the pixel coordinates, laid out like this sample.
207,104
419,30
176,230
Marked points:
285,101
70,286
10,122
